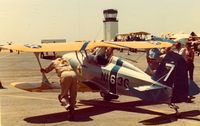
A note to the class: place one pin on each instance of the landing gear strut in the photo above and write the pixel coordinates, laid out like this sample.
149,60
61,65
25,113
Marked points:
108,97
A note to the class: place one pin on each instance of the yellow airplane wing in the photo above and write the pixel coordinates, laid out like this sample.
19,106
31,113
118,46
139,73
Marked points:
57,47
135,44
78,46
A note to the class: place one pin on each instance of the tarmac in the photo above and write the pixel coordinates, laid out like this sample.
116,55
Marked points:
24,108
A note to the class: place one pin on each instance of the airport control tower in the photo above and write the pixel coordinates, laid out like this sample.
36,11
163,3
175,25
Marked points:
110,24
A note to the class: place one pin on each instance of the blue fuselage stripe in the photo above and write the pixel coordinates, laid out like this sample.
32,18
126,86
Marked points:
84,46
113,73
119,62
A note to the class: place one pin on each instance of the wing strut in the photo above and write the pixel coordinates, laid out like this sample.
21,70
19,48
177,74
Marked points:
45,80
78,58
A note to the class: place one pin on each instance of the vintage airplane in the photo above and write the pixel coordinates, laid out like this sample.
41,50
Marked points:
117,77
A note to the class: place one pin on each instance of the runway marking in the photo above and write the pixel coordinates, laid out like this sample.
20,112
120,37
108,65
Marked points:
29,97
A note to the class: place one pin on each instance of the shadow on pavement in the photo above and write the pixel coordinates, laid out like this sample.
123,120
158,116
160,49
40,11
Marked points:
97,107
172,117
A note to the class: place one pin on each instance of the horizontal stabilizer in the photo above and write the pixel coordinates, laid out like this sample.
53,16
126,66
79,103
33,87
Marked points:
152,93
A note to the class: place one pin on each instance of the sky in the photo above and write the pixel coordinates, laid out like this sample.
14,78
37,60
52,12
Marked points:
30,21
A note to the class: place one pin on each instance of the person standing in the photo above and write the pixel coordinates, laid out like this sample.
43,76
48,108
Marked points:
172,71
177,48
153,60
68,82
188,55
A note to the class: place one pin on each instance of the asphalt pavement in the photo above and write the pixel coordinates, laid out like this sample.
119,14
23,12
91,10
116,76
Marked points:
24,108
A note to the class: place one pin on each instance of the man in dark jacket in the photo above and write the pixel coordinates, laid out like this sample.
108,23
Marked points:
173,71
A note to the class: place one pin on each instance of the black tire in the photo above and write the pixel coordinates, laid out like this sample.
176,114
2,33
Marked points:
108,97
104,96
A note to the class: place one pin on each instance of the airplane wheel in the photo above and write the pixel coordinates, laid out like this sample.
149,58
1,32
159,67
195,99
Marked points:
104,96
108,97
